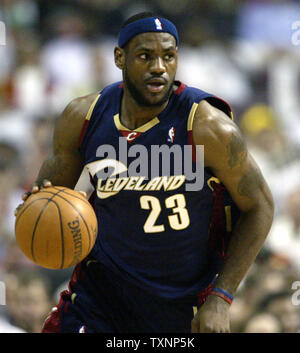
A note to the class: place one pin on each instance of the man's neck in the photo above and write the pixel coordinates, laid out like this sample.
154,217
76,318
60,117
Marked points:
134,115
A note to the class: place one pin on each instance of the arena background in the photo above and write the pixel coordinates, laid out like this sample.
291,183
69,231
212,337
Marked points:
246,52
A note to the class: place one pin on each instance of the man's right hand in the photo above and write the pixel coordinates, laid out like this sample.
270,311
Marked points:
34,189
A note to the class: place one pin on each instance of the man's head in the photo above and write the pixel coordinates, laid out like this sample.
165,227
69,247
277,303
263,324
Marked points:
147,56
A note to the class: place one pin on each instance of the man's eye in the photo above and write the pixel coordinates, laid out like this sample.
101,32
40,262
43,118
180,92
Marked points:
169,56
143,56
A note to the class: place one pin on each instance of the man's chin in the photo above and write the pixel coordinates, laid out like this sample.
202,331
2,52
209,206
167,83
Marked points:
145,98
157,99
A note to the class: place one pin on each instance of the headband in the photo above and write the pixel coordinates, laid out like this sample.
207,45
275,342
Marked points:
149,24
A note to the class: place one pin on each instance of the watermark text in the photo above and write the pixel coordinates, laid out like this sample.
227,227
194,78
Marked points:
296,294
2,293
296,33
2,33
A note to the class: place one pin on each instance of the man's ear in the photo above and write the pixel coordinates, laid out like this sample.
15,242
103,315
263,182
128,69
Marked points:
119,54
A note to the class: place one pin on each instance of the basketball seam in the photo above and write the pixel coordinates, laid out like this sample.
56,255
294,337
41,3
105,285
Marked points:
61,228
62,236
63,190
23,210
37,221
44,198
90,243
35,227
67,193
50,199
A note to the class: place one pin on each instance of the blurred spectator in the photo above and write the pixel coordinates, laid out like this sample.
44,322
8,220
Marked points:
269,147
263,323
29,80
280,305
284,238
42,147
283,87
240,311
68,61
28,301
6,327
106,71
210,67
9,186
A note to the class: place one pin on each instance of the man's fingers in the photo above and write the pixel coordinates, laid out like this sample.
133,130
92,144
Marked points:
35,188
47,183
26,195
18,209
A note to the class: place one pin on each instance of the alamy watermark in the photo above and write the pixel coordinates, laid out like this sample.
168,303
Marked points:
296,33
161,167
2,293
296,294
2,33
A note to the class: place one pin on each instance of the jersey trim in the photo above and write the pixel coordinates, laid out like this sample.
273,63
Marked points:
191,116
180,88
222,105
210,180
90,112
142,128
87,119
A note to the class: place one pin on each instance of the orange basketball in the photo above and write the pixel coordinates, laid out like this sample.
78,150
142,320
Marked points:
56,228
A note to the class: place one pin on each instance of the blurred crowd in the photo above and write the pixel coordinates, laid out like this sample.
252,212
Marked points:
240,51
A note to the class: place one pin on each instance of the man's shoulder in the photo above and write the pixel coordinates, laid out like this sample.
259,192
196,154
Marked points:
212,124
80,106
69,126
190,93
197,95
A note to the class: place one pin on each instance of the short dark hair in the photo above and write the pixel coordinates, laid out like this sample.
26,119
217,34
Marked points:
138,16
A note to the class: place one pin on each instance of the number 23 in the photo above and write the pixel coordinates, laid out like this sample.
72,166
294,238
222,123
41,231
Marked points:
178,220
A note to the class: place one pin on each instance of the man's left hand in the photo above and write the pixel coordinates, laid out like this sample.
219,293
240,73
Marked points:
212,317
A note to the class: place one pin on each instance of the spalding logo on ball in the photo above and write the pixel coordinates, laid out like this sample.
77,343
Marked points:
56,228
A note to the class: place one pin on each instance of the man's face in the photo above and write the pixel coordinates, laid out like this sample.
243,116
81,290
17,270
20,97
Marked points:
150,68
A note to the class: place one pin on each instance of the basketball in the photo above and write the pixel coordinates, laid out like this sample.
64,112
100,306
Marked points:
56,228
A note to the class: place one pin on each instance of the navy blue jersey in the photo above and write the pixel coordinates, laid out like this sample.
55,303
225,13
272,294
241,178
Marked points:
153,231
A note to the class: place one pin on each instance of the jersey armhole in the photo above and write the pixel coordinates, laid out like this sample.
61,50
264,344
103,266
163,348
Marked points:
86,120
220,104
214,101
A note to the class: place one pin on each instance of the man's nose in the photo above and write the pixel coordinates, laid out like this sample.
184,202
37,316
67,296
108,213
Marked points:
158,66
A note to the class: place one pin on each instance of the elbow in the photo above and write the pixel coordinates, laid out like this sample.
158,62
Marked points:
267,209
263,210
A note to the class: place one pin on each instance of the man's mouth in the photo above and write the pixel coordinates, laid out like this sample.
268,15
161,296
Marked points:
156,85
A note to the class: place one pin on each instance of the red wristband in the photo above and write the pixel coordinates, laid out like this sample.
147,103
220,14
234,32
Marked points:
221,295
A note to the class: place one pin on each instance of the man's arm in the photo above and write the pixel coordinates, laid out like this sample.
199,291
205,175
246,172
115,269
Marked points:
63,167
226,154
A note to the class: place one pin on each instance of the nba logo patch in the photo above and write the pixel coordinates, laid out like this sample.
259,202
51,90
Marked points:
158,24
171,134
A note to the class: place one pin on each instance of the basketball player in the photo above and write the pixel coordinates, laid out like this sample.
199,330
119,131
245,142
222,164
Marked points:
166,259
